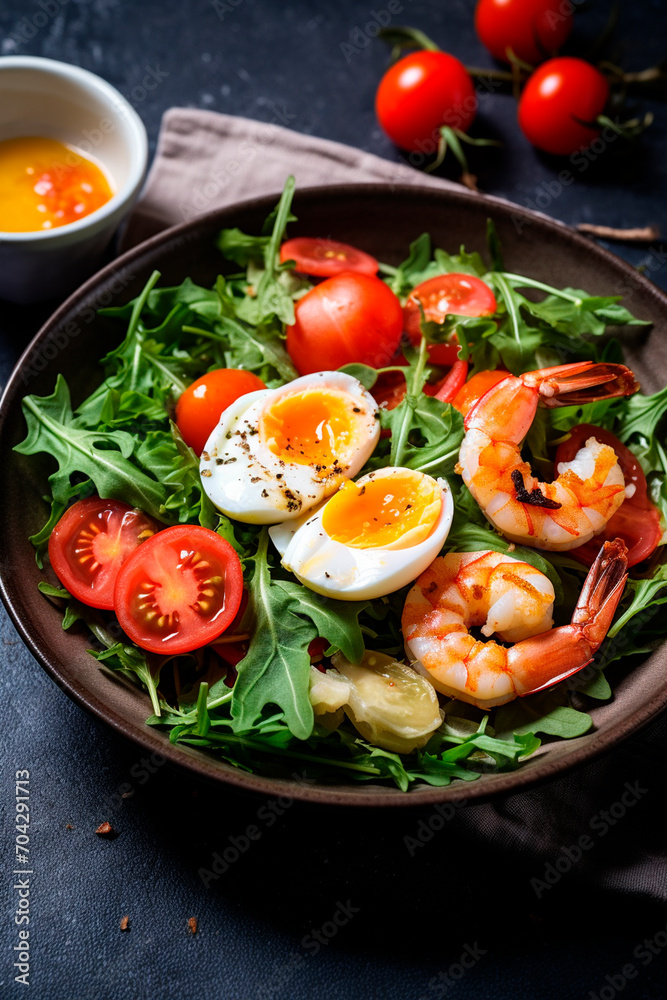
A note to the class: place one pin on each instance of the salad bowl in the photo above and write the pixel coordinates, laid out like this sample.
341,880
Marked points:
382,219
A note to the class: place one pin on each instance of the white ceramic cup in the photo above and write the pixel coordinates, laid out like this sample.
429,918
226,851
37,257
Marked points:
43,97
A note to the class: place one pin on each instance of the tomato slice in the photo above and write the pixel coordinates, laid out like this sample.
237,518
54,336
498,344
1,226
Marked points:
179,591
637,520
323,258
90,543
458,294
474,389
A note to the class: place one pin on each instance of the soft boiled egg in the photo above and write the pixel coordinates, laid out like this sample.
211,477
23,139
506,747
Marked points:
373,537
278,453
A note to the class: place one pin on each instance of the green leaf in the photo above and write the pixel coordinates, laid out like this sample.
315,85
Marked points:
641,414
102,456
335,621
363,373
50,591
241,248
541,713
126,657
276,670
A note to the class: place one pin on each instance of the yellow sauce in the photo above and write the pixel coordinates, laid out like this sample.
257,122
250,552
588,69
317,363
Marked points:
45,184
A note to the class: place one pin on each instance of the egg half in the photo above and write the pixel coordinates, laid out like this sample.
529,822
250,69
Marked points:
373,537
277,453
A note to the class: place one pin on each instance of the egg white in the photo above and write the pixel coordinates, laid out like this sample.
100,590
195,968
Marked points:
337,570
245,480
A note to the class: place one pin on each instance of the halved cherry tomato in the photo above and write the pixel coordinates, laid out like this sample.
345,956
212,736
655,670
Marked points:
180,590
560,104
475,388
90,543
200,406
323,257
637,520
532,29
350,317
459,294
421,92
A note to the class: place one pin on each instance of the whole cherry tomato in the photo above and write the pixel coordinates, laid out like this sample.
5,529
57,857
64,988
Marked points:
421,92
200,406
532,29
475,388
560,104
350,317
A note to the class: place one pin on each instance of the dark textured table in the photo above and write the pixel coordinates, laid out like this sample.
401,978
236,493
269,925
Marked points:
321,903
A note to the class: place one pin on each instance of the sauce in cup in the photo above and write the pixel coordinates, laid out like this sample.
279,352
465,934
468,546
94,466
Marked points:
45,184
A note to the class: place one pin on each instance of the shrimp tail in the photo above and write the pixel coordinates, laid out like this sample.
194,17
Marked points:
544,660
579,383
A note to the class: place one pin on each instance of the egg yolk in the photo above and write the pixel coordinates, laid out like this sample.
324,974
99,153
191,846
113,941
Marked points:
388,511
45,184
310,428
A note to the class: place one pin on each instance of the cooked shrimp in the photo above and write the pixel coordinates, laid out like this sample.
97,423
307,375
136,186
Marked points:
588,490
514,600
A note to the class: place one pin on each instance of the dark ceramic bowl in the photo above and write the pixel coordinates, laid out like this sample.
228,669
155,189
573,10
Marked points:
382,219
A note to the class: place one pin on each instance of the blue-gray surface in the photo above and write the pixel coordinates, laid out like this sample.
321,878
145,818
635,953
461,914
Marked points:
323,903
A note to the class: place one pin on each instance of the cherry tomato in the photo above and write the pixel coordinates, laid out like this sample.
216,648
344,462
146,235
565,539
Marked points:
324,258
475,388
421,92
461,294
199,408
560,103
180,590
347,318
532,29
637,520
452,383
90,543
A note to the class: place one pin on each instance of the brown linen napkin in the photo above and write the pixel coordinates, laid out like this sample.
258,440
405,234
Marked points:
205,160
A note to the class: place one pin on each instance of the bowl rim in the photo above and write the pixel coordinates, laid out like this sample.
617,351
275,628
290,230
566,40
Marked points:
118,105
198,762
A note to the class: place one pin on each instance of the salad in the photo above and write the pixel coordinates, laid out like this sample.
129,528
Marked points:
364,521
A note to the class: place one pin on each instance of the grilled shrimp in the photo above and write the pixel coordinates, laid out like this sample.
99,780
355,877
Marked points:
513,600
588,490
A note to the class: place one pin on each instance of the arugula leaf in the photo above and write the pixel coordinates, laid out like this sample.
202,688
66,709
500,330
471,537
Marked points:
335,621
276,669
425,434
541,713
101,456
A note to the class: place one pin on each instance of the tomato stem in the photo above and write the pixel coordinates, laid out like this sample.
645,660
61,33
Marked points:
406,38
